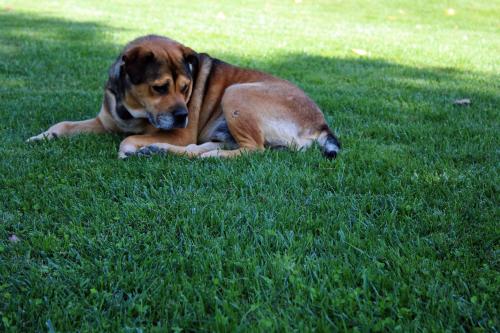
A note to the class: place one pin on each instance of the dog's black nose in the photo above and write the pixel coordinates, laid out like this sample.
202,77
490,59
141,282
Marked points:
180,113
180,117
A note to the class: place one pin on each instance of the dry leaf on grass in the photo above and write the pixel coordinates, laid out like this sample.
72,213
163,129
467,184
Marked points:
462,102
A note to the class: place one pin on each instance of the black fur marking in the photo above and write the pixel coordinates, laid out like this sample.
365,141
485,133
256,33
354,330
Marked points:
222,134
330,154
163,89
215,62
141,68
117,82
331,147
192,59
333,139
324,128
123,113
116,85
174,74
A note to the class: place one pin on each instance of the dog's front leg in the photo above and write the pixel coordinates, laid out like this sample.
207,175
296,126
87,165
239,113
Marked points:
176,139
100,124
69,128
192,150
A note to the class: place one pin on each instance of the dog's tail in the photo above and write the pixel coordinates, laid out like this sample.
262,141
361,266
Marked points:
328,142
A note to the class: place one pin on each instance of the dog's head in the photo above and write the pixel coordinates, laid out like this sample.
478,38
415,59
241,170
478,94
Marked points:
159,75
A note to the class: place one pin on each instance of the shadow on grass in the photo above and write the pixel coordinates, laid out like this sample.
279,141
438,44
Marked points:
53,69
51,48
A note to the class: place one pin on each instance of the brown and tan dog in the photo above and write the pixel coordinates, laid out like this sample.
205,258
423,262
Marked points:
176,100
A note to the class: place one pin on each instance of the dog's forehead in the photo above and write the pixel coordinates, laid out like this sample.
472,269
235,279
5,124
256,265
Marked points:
174,52
169,70
163,59
173,64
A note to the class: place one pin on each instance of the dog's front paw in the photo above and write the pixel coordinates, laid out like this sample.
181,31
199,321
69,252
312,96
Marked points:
151,150
146,151
47,135
211,153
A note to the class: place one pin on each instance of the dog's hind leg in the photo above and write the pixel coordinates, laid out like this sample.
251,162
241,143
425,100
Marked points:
243,123
273,114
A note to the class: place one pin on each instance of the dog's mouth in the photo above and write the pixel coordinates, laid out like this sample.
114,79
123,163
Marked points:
177,118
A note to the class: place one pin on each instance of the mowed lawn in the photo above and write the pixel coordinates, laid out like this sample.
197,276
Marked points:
399,233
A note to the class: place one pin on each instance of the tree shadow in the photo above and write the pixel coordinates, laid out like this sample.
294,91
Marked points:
46,65
49,65
374,88
409,111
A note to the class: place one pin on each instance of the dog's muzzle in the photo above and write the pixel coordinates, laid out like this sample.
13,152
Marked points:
178,118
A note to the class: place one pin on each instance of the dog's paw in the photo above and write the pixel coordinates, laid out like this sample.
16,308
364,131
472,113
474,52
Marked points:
151,150
124,154
43,136
211,153
146,151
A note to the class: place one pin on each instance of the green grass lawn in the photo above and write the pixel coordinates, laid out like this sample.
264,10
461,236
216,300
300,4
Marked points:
401,232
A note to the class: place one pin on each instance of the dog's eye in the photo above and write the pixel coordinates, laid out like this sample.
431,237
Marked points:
161,89
184,88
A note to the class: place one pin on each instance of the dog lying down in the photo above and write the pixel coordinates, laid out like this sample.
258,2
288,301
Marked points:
175,100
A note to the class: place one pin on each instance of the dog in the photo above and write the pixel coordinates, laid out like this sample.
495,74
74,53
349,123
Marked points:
172,99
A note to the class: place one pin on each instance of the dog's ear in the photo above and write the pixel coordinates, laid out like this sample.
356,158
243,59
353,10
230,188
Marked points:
192,62
135,63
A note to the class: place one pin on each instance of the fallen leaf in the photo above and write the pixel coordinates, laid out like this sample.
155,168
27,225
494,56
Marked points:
360,52
462,102
14,239
450,12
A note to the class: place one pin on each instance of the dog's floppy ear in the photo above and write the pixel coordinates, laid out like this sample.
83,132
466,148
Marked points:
135,62
192,62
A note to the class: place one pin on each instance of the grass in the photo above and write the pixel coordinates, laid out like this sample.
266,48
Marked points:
401,232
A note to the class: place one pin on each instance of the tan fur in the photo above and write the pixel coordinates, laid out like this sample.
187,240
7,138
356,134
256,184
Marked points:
260,110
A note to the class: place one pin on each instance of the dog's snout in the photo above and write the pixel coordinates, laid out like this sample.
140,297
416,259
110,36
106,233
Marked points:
180,117
164,121
177,118
180,113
